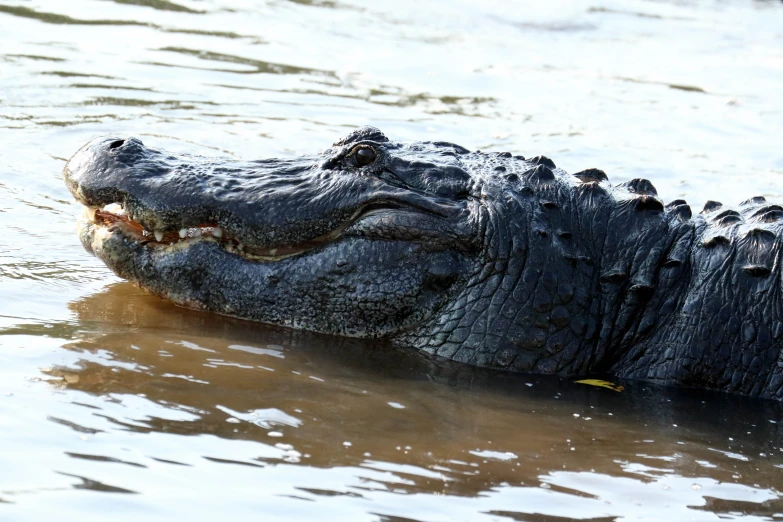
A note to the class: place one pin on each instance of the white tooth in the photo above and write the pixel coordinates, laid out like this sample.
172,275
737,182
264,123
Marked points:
197,233
273,252
217,232
114,208
183,232
158,236
89,213
240,247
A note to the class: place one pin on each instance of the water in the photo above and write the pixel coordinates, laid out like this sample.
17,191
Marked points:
116,404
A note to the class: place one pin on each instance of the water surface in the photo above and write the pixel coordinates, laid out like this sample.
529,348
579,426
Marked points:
116,404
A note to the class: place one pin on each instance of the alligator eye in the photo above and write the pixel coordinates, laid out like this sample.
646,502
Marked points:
365,155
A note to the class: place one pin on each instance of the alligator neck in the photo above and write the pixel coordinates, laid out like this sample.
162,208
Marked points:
565,280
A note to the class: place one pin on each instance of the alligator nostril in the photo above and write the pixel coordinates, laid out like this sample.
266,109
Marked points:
115,144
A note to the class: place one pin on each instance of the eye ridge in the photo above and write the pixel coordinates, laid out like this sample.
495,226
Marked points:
364,155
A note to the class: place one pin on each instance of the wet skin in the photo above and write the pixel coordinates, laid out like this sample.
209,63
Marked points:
484,258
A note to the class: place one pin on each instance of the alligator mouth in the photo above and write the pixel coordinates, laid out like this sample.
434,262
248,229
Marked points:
113,218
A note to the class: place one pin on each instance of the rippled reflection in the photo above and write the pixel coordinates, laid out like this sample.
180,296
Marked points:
368,421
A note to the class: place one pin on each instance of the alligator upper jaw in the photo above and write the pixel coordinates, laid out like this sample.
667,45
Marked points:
267,208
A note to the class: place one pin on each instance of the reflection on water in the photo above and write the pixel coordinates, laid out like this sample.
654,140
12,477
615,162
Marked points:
151,392
114,402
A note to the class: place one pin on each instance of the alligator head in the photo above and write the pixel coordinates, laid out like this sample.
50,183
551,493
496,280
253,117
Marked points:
490,259
363,239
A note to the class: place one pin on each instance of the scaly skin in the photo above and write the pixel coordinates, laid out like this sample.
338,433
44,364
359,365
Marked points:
489,259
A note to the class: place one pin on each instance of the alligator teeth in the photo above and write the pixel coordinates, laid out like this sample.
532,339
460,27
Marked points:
114,208
89,213
183,232
158,236
217,232
273,252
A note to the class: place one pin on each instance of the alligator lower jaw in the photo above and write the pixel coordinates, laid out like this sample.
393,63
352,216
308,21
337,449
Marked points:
112,219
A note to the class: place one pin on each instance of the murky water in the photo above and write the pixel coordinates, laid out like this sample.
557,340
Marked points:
116,405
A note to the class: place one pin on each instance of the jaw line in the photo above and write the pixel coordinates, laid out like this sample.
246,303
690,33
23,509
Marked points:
101,228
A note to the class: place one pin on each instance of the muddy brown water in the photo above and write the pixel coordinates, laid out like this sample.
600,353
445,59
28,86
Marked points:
115,405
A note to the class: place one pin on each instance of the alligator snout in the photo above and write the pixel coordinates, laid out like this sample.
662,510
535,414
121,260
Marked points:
99,156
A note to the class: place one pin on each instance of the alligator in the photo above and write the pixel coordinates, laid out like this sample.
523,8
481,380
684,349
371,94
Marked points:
489,259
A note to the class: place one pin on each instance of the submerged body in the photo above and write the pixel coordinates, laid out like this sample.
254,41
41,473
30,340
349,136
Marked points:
485,258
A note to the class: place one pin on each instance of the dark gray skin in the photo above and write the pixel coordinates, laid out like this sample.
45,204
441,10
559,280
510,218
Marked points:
485,258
